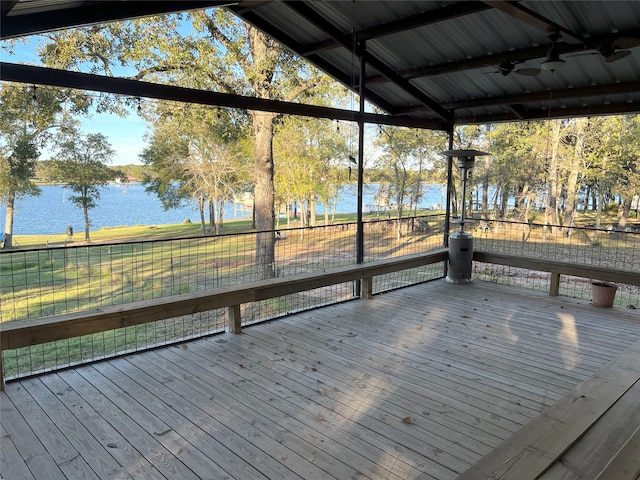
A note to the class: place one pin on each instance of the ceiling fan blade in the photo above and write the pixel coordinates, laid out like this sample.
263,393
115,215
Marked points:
626,42
617,56
528,72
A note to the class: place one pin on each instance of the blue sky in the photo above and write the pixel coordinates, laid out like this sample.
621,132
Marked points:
124,133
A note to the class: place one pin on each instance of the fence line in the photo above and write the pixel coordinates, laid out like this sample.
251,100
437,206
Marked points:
43,282
588,246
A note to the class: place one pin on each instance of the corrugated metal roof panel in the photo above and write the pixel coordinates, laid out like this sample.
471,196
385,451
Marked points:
426,57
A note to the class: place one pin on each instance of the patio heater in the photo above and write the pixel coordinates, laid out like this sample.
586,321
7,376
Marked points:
461,242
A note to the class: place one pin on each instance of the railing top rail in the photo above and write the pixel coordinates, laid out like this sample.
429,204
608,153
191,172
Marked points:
34,331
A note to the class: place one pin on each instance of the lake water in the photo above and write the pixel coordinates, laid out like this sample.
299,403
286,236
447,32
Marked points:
130,205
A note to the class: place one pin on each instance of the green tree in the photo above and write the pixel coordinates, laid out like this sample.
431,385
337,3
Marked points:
223,54
195,153
617,161
516,166
215,173
405,155
308,154
81,164
27,117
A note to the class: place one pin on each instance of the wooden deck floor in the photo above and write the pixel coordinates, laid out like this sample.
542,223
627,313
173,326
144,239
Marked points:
415,384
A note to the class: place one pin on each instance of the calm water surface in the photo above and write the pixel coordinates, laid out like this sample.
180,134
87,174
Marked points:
130,205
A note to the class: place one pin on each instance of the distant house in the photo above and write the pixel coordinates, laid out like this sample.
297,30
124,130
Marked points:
126,179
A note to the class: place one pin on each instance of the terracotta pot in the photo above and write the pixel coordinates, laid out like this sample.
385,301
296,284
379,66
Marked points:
603,294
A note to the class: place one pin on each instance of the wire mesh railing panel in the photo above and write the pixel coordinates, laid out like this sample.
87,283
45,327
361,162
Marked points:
395,238
301,250
578,245
273,308
51,281
87,348
508,275
405,278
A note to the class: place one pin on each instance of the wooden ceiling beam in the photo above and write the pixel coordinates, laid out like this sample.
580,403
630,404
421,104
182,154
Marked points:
13,72
553,113
91,13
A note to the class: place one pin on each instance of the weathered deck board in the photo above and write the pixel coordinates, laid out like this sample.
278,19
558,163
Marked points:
561,429
626,462
419,383
610,435
12,465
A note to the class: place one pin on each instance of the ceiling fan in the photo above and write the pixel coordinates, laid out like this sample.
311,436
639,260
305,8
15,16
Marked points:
618,48
553,60
509,66
610,51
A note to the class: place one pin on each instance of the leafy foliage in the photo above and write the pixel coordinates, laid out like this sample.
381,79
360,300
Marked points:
82,166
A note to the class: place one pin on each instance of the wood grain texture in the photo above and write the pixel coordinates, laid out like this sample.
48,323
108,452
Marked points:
626,463
557,267
48,329
531,451
418,383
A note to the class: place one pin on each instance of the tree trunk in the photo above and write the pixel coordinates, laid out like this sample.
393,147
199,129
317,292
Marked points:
523,202
599,205
504,203
454,200
312,211
623,217
574,174
203,220
485,195
527,207
399,221
85,211
213,228
264,193
554,188
572,197
8,222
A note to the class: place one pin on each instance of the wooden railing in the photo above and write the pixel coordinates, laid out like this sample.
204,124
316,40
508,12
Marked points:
26,333
557,268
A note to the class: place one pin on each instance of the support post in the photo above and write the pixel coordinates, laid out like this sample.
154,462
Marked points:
235,320
367,288
447,211
360,225
554,288
1,373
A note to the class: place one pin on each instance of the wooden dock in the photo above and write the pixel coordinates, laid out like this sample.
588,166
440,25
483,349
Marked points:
425,382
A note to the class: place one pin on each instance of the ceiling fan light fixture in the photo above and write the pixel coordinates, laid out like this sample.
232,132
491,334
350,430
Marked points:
551,65
553,61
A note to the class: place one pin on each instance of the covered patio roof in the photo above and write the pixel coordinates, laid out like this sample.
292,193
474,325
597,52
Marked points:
426,63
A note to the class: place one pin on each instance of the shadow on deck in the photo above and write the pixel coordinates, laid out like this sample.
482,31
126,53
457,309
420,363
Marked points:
419,383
